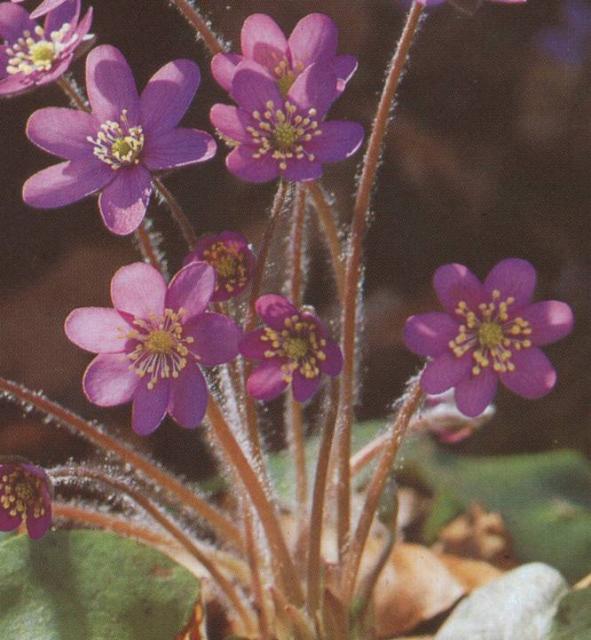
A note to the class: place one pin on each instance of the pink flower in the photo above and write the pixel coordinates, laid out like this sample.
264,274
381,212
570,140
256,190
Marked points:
45,7
294,348
232,259
25,494
488,332
151,344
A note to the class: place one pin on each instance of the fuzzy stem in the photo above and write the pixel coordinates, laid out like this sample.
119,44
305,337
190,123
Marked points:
261,503
148,247
297,250
178,215
72,93
391,447
199,24
21,395
354,268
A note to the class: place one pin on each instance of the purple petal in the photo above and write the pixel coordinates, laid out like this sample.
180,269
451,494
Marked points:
67,13
188,397
46,6
263,41
302,170
512,277
97,329
274,309
231,122
429,334
108,380
223,67
304,388
550,321
454,283
534,375
267,381
8,522
124,201
67,182
58,70
344,67
13,21
191,289
251,345
445,371
334,359
177,148
215,338
314,37
475,393
138,289
241,163
168,95
340,139
62,132
149,407
253,87
38,527
110,85
13,85
315,88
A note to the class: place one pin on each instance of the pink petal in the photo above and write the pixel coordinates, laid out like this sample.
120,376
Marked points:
231,122
339,140
46,6
263,41
38,527
333,364
454,283
62,132
223,67
124,201
12,85
57,71
445,372
177,148
188,397
8,522
253,87
267,380
315,88
534,375
215,338
314,38
97,329
13,21
149,407
429,334
108,380
139,289
67,13
550,321
302,170
241,163
274,309
251,345
512,277
344,67
191,289
304,388
475,393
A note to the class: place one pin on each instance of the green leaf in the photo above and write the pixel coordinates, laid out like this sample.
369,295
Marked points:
92,585
573,618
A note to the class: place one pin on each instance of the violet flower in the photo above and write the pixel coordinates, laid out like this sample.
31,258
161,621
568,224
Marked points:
33,55
488,331
117,147
45,7
151,344
294,348
25,494
232,259
314,39
287,136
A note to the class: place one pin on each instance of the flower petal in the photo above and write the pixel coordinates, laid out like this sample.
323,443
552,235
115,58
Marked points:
253,87
512,277
138,289
263,41
188,397
191,289
445,372
108,380
110,85
475,393
454,283
13,21
46,6
313,38
534,375
223,67
168,95
251,345
339,140
314,88
64,183
550,321
334,359
12,85
62,132
177,148
62,12
274,309
429,334
38,527
149,407
215,338
8,522
231,122
302,170
124,201
97,329
267,380
344,66
304,388
241,163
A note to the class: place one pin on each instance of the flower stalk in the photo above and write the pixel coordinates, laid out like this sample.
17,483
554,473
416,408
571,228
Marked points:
192,15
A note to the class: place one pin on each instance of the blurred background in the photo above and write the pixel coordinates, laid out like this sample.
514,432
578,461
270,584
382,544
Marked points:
488,157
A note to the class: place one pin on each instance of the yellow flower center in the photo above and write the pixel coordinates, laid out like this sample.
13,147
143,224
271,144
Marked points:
295,348
229,263
117,144
285,136
19,491
490,334
286,76
160,341
36,52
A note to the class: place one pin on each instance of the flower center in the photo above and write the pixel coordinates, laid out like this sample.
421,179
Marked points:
21,491
490,334
161,350
117,144
34,52
285,136
286,75
229,264
300,343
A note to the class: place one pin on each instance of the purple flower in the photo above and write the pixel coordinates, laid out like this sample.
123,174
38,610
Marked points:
276,135
45,7
314,39
294,348
488,331
151,344
25,494
232,259
32,55
116,148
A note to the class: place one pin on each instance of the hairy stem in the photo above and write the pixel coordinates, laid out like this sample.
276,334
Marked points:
73,93
178,215
191,14
148,247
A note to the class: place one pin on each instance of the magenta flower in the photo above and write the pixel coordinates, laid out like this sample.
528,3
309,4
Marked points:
232,259
151,344
116,148
314,39
286,136
488,331
294,348
33,55
45,7
25,494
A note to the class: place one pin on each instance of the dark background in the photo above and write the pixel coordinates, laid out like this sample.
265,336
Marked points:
488,158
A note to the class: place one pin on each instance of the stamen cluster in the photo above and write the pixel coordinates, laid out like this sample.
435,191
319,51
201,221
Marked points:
117,144
34,52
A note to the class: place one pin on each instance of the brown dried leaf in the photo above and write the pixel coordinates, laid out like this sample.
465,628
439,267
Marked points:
470,573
